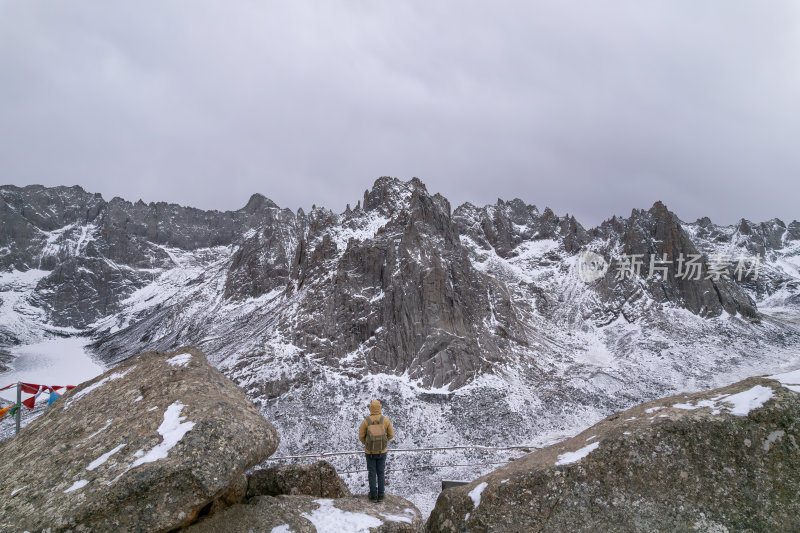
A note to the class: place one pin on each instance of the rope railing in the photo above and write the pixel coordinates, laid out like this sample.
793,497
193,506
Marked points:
426,467
409,450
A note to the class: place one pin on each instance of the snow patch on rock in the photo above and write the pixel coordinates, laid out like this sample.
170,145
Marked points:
475,493
182,359
574,457
740,404
407,517
746,401
103,458
105,427
77,485
172,430
329,519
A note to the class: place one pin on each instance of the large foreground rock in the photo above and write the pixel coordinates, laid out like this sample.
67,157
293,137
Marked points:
148,446
723,460
318,479
304,514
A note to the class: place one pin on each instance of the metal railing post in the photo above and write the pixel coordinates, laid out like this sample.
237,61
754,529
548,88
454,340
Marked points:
19,403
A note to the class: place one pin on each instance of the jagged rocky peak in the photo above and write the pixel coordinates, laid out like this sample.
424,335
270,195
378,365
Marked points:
263,262
706,229
28,216
258,202
518,211
656,230
793,231
187,228
99,252
614,225
649,235
389,288
507,224
50,208
762,238
390,193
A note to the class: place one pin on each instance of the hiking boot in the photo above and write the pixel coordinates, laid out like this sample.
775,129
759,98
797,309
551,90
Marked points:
380,497
372,498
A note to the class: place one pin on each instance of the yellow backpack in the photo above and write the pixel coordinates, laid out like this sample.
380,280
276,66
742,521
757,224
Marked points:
376,439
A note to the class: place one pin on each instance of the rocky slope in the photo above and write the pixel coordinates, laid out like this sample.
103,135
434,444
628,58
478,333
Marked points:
148,446
306,514
475,317
721,460
318,479
75,469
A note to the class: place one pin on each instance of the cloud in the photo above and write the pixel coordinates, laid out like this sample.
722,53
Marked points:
590,108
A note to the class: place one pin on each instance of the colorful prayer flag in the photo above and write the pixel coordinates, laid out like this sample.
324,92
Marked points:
53,397
32,400
36,390
30,388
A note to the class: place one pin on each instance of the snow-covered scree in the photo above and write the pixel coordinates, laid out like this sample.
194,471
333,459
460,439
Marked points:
542,356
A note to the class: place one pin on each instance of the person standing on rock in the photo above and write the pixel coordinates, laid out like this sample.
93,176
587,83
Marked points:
375,433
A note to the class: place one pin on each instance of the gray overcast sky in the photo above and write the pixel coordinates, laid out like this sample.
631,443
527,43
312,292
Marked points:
591,108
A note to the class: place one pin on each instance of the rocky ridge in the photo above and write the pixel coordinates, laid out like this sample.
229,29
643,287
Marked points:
720,460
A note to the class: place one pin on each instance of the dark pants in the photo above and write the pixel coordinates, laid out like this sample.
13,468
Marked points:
376,463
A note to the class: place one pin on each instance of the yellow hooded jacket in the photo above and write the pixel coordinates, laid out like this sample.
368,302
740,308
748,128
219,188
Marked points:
375,415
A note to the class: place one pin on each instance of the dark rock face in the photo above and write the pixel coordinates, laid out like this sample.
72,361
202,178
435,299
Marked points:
147,446
406,296
100,252
758,238
301,514
318,479
722,460
81,290
656,233
27,212
506,225
793,231
263,262
184,227
398,285
768,240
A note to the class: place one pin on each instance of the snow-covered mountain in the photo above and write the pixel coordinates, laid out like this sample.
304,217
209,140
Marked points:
473,325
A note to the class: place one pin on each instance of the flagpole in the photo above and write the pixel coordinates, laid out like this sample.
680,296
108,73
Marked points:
19,402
